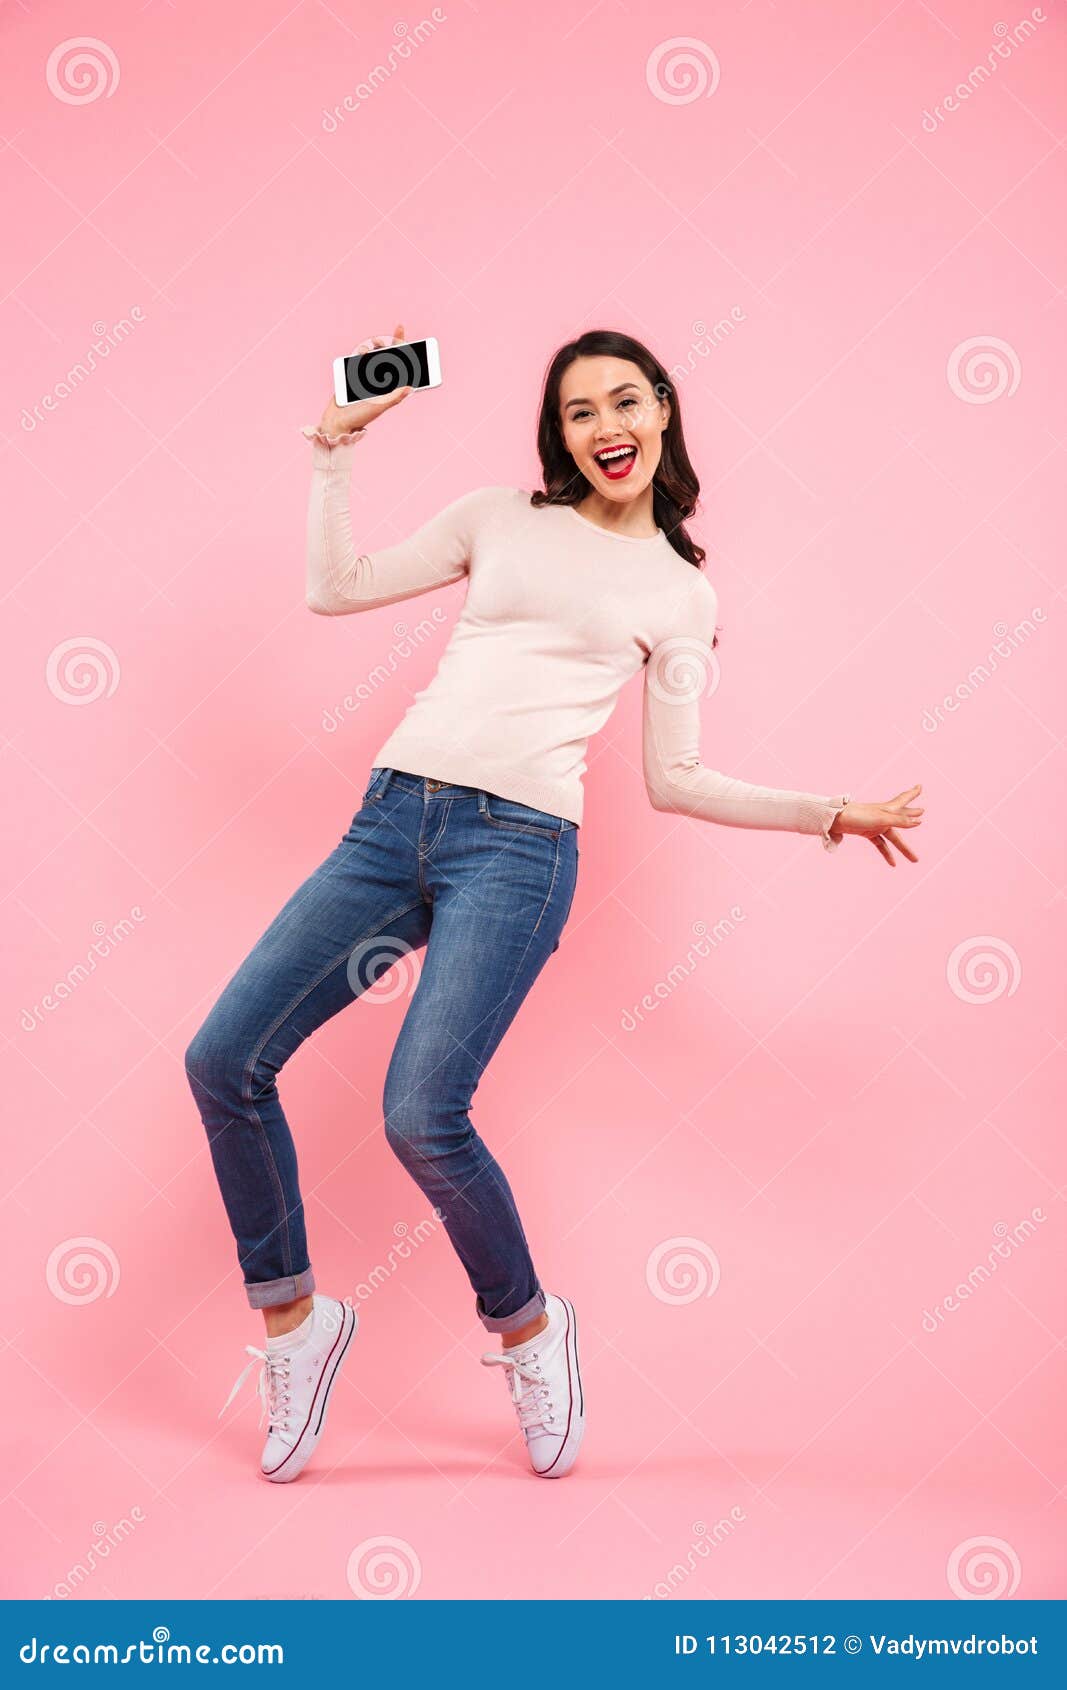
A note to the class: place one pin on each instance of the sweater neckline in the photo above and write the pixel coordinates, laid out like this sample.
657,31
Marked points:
629,539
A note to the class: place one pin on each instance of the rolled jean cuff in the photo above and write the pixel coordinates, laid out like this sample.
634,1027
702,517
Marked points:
271,1291
511,1322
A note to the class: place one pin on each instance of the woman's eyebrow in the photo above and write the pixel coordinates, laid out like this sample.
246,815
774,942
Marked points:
623,385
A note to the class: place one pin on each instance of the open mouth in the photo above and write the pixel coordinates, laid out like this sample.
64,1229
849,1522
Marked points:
615,461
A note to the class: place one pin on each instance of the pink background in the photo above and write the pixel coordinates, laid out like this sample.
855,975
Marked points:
842,1104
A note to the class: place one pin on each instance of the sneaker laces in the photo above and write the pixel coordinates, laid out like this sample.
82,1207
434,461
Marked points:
527,1386
272,1387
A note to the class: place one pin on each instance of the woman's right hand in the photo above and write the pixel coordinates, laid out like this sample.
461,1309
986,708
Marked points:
879,823
347,419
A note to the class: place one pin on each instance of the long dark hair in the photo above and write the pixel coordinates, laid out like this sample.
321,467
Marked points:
675,488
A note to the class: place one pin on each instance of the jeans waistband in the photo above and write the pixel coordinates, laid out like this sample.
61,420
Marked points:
426,784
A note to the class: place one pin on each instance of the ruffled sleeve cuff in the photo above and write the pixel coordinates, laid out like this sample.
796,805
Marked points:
316,434
834,808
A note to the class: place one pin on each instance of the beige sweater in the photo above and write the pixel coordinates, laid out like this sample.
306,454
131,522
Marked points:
558,614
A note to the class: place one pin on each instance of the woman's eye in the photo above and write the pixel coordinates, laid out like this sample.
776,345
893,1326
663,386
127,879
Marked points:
578,415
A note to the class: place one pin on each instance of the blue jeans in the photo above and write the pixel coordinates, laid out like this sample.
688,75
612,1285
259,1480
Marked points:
486,885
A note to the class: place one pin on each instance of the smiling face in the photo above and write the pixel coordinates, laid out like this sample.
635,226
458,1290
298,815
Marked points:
612,425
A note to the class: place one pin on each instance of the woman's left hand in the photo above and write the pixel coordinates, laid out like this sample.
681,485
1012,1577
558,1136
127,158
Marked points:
879,823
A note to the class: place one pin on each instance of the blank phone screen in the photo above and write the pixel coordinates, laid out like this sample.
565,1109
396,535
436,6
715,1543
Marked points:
372,374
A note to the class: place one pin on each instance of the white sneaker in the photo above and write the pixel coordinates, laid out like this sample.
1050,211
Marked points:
545,1385
294,1386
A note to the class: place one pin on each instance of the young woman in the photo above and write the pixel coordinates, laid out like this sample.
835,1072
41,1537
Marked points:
466,843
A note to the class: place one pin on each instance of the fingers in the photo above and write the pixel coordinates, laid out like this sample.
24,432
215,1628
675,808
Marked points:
374,340
387,400
882,842
902,846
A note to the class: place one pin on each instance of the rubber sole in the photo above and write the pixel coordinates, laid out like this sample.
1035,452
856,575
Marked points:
292,1465
568,1451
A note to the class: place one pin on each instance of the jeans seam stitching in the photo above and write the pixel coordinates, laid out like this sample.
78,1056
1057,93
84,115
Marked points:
522,959
552,886
279,1193
424,851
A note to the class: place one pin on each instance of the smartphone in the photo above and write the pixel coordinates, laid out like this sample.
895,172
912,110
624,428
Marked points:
371,375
